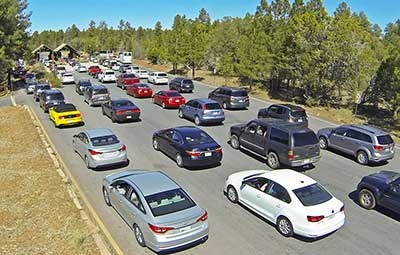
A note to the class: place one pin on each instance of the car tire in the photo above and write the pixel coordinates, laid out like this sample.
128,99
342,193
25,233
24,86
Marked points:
139,235
234,141
87,163
232,194
197,120
362,158
284,226
163,105
106,196
323,143
366,199
155,144
273,160
113,120
180,113
179,160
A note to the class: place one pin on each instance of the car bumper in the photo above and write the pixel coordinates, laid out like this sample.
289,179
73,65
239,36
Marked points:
127,117
68,81
160,242
109,79
302,162
239,105
160,81
202,161
185,89
173,105
213,119
378,157
317,229
101,161
69,122
99,102
142,94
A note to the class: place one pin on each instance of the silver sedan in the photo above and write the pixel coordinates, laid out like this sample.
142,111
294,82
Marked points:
161,214
99,147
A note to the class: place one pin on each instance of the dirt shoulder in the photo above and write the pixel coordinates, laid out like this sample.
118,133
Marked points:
37,216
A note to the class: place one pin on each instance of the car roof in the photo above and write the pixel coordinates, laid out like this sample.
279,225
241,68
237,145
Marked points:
169,91
289,179
99,86
187,129
282,124
121,100
52,91
232,88
96,132
204,100
367,129
159,72
291,107
152,182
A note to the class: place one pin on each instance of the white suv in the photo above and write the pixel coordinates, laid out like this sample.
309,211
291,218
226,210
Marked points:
67,78
107,76
158,78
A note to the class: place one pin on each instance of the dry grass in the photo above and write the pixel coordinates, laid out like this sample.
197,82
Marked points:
37,216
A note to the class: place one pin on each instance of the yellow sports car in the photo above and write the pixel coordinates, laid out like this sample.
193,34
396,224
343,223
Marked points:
65,115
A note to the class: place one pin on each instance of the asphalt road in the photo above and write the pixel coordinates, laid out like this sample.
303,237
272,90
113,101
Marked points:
233,229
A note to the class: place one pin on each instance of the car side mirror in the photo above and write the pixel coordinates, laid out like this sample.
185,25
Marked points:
110,187
395,188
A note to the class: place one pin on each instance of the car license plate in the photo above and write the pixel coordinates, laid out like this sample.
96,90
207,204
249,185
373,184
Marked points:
185,229
129,117
215,113
177,101
145,91
69,121
307,161
300,120
207,154
241,101
111,154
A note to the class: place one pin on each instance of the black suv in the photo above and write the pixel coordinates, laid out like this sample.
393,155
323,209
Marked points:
230,97
82,85
278,141
181,85
287,112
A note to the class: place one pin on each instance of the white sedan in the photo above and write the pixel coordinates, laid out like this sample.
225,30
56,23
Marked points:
142,74
158,78
293,201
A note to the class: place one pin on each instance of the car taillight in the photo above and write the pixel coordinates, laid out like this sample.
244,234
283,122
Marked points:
378,147
118,112
60,117
93,152
136,110
170,100
123,148
218,150
290,155
140,91
77,115
159,230
203,217
194,153
342,209
315,218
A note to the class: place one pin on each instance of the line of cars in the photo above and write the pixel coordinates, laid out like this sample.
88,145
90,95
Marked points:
166,217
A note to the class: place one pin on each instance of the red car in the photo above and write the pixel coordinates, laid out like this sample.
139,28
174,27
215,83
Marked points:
93,70
168,99
139,90
126,79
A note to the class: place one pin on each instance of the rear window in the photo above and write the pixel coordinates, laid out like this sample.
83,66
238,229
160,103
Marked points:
385,139
61,68
197,138
100,91
57,96
141,85
302,139
104,140
169,202
110,73
67,74
212,106
129,76
187,82
173,94
239,93
162,75
313,194
298,114
123,104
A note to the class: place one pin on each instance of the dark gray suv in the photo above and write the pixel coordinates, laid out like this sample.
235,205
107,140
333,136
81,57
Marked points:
96,95
278,141
287,112
181,85
367,144
230,97
50,98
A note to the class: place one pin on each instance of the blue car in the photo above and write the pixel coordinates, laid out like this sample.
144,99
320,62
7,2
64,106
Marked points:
201,111
381,189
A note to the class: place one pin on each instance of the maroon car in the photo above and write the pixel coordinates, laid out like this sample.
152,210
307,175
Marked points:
127,79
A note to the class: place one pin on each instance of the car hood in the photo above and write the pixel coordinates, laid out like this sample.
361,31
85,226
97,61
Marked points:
324,131
385,176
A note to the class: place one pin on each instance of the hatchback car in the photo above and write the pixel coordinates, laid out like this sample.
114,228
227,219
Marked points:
107,76
287,112
126,79
99,147
278,141
142,74
230,97
201,111
292,201
158,78
181,85
188,146
30,86
381,189
367,144
139,90
119,110
50,98
96,95
82,85
67,78
168,99
124,67
161,214
39,88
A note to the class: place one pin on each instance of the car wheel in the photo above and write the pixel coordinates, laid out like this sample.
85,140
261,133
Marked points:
106,196
197,120
163,105
232,195
155,144
235,142
224,105
366,199
179,160
102,111
87,163
180,113
112,118
273,160
284,226
323,143
90,103
139,236
362,158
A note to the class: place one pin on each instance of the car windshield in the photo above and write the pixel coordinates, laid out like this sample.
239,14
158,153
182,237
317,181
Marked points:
104,140
123,104
302,139
85,83
57,96
239,93
212,106
169,202
162,75
195,138
173,94
385,139
298,114
313,194
130,76
142,85
100,91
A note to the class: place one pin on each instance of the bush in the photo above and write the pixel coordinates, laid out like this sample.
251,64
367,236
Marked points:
312,102
52,79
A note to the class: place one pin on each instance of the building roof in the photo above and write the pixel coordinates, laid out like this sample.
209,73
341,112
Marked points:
63,46
42,47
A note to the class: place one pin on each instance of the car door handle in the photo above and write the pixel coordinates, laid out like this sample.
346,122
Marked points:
278,206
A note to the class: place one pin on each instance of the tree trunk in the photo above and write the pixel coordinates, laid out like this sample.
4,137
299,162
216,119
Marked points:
193,72
396,112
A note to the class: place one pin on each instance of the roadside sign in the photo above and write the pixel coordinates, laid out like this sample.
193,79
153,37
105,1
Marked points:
359,98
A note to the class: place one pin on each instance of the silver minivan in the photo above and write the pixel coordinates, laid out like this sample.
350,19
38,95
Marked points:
96,95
